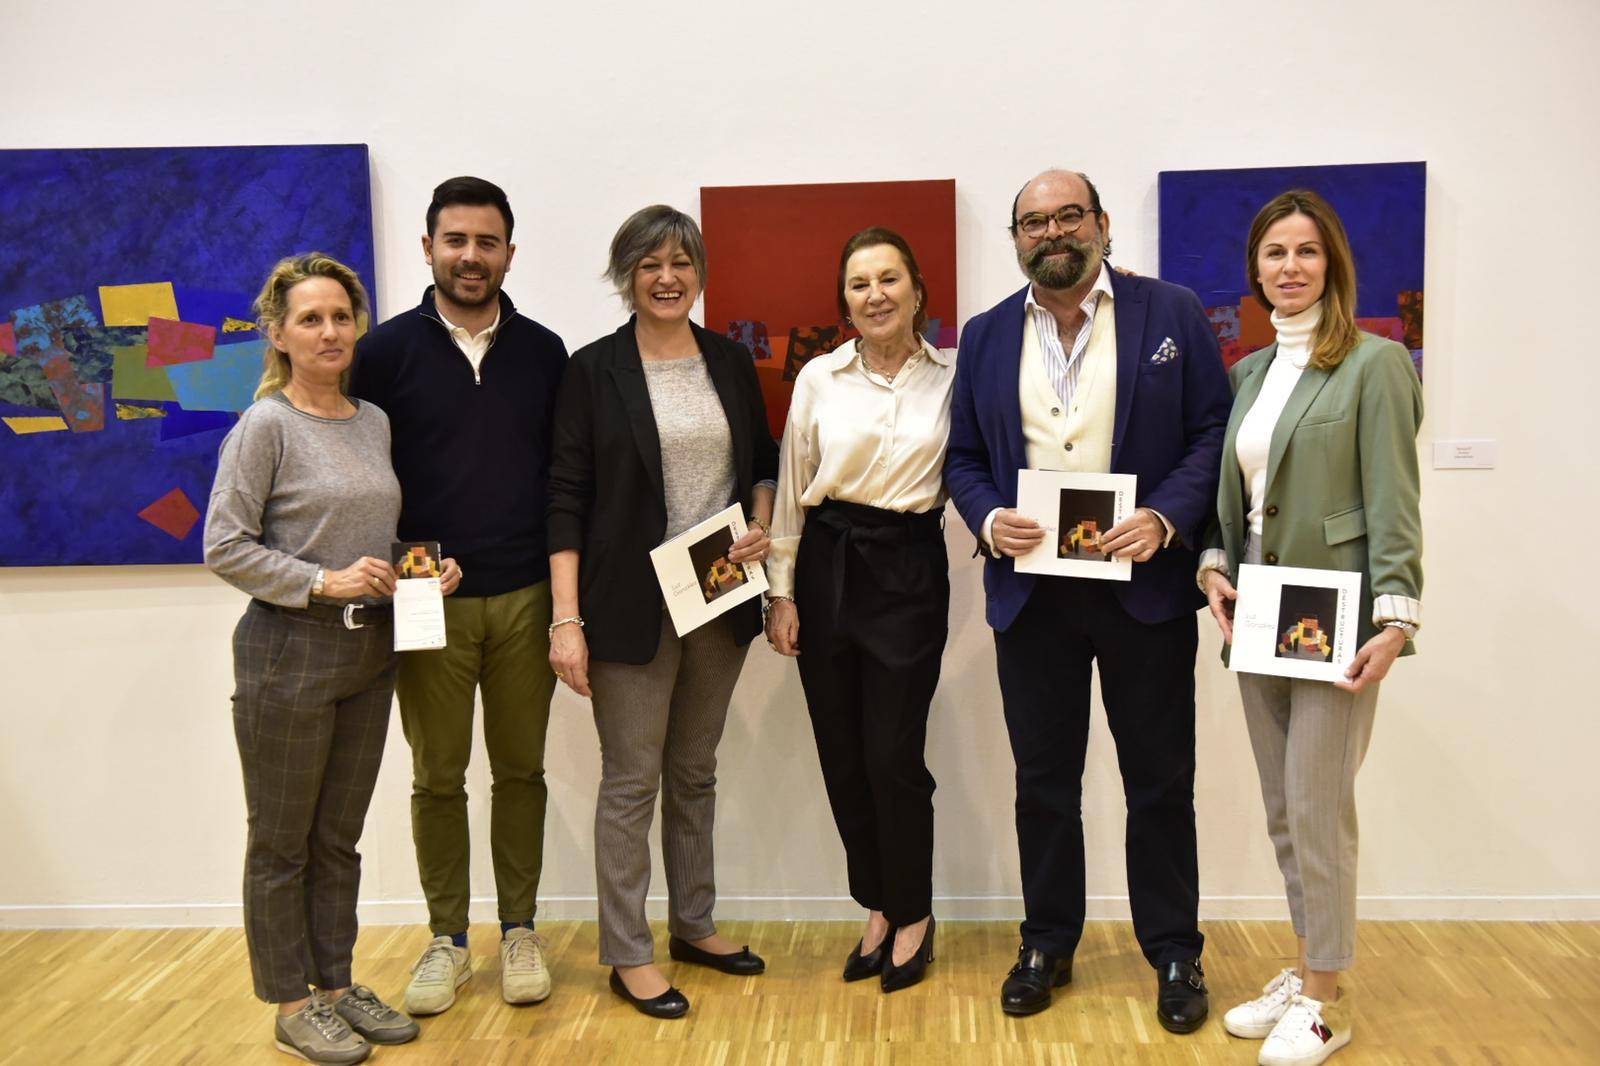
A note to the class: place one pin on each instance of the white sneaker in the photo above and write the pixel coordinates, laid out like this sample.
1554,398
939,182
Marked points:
442,969
523,976
1255,1019
1307,1033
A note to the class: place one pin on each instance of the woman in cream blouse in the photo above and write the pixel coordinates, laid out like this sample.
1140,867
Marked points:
861,589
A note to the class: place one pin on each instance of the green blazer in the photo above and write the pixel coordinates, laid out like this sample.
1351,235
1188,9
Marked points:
1343,488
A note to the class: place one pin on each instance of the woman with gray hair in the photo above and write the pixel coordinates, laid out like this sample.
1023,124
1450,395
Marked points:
658,426
302,517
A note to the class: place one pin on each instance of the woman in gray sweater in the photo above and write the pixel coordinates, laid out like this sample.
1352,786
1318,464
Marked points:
302,516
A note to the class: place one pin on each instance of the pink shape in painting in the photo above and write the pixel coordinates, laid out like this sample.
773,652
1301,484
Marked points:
179,342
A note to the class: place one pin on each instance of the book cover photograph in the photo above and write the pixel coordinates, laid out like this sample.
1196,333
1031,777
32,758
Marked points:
698,582
1076,511
1295,622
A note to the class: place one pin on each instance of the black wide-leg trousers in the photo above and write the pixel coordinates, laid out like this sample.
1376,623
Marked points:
872,589
1147,685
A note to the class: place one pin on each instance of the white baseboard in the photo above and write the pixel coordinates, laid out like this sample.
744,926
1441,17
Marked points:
819,908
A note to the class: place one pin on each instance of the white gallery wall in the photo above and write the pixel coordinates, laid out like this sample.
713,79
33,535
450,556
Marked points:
119,780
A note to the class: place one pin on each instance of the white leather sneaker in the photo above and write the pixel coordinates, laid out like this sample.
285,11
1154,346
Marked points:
1308,1033
524,978
1255,1019
442,969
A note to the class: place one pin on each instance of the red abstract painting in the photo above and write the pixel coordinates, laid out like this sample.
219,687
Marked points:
772,266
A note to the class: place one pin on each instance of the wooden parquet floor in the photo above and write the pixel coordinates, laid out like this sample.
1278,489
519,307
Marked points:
1443,993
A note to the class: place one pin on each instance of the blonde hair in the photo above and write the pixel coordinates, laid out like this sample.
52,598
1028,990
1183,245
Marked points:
1337,333
272,310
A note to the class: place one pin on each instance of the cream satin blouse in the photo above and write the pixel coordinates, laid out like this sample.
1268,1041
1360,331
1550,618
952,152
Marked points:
856,437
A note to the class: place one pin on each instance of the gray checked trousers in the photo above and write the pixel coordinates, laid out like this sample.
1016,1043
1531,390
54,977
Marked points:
1309,740
310,713
659,727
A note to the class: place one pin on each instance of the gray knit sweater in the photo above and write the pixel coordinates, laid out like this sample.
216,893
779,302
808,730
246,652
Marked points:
294,492
696,443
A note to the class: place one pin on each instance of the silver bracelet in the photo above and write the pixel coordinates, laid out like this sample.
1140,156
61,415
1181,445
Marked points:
575,620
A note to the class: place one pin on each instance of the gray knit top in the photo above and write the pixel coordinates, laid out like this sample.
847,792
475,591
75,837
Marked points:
696,443
295,492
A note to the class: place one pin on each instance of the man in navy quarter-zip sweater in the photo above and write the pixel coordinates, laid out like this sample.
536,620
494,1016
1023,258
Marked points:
469,386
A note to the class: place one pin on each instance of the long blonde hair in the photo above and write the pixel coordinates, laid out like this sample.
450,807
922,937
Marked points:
272,310
1337,333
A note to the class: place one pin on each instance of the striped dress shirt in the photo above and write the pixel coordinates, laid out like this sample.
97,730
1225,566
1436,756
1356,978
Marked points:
1065,367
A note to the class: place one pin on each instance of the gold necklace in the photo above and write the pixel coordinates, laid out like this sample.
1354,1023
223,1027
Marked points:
884,374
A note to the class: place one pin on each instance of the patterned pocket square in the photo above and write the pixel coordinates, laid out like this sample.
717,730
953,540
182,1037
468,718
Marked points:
1166,353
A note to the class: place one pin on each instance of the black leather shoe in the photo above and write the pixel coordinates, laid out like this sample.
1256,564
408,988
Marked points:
742,963
1027,987
1181,1003
859,967
914,969
669,1004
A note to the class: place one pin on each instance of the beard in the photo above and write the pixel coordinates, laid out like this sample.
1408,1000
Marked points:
1081,258
447,284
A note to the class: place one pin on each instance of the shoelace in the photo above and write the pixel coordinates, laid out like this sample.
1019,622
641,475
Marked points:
319,1012
366,1000
524,946
1280,989
435,964
1303,1014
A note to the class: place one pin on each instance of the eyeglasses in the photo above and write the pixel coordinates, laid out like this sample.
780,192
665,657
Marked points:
1067,219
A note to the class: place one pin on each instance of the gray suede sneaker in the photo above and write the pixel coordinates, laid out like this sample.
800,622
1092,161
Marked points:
372,1018
315,1033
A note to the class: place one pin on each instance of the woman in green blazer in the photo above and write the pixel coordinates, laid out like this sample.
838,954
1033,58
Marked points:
1319,470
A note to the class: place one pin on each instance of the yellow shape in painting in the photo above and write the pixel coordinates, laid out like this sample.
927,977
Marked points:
127,411
236,325
136,305
38,424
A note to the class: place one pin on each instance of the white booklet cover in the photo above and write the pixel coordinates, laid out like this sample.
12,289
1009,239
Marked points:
1290,621
1076,511
697,581
418,599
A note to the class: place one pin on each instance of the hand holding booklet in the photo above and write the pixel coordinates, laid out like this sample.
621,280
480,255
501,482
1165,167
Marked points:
698,582
1076,510
1294,622
418,599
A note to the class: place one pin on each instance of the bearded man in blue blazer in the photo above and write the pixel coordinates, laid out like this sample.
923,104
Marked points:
1086,369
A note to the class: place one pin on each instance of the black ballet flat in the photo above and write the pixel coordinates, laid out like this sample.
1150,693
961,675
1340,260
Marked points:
669,1004
742,963
913,970
859,967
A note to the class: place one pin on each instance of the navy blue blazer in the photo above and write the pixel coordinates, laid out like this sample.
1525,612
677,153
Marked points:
1171,416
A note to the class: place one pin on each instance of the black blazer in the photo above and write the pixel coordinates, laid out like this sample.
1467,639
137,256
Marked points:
608,498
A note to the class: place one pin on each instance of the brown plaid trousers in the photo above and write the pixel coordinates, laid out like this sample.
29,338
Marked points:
310,712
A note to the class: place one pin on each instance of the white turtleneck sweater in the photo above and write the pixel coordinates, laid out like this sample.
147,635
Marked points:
1254,442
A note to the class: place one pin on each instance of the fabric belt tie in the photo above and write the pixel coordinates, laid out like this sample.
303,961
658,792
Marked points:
875,536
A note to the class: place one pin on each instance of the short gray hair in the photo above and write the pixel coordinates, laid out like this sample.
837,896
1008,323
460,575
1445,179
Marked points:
646,230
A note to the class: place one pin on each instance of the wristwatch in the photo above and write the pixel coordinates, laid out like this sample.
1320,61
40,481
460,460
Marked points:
1405,627
318,581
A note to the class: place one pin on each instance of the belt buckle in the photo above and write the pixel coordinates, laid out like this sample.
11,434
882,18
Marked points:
350,616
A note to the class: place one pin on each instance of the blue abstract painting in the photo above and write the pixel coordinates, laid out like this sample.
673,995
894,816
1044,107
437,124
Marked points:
126,343
1205,226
